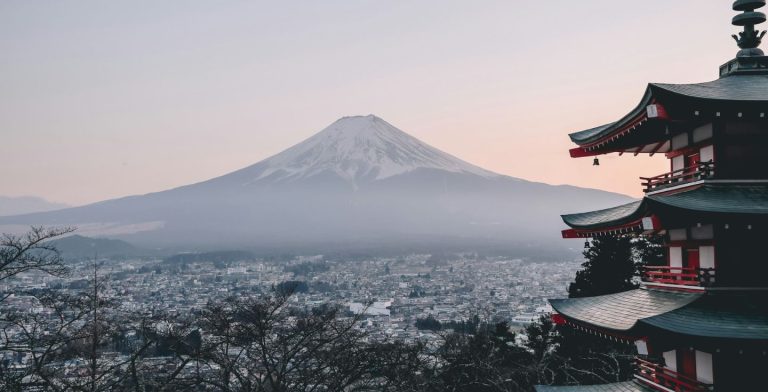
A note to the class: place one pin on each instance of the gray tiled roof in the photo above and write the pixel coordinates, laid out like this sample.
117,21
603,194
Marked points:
585,135
714,314
730,315
628,386
593,134
731,88
737,88
606,217
621,311
722,198
708,198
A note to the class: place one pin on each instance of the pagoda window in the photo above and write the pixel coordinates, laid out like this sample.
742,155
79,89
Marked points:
676,256
678,235
670,360
678,163
702,133
680,141
707,256
642,347
704,371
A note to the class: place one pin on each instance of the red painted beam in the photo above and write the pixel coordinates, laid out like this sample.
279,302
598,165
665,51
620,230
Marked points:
634,226
655,111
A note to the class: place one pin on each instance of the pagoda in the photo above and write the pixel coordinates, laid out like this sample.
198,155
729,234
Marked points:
700,322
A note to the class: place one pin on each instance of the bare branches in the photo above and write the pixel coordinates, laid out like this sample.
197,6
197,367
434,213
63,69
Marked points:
32,251
263,344
268,343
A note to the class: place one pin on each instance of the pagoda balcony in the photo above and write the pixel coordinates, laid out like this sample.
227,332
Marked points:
659,378
699,171
683,276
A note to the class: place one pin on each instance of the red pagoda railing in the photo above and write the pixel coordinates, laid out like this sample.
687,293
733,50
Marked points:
658,375
699,171
679,275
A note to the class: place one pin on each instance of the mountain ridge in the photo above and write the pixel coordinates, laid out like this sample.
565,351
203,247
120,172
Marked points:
78,247
26,204
358,180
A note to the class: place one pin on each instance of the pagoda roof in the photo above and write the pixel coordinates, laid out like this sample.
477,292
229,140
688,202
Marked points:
606,217
718,198
731,315
719,314
737,88
586,136
708,198
628,386
644,130
621,311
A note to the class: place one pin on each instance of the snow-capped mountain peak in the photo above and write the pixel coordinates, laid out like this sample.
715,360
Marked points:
361,148
427,197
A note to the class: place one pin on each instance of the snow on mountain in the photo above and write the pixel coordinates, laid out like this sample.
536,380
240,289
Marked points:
361,148
358,181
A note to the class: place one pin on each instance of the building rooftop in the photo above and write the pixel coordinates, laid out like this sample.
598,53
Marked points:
748,200
729,315
719,314
621,311
736,88
606,217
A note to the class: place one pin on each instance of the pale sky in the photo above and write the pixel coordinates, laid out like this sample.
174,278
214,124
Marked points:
102,99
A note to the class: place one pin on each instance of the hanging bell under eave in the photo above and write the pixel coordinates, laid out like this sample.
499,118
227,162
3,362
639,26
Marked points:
596,162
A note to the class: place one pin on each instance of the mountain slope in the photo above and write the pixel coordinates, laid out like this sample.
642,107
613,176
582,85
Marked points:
357,150
26,204
78,247
360,180
362,148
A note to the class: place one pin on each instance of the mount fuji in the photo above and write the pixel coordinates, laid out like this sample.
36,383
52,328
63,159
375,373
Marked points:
359,182
359,149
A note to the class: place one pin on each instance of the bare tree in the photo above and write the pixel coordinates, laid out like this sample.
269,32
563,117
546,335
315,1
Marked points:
32,251
264,345
64,338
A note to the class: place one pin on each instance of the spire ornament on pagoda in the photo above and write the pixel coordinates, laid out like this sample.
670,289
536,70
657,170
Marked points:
749,39
699,319
750,59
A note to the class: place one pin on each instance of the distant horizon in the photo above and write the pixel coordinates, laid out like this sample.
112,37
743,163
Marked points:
106,100
66,205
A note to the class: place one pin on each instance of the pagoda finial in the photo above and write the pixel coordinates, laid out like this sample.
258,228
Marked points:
749,39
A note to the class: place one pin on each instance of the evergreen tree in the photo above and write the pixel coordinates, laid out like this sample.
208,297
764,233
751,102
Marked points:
650,250
611,266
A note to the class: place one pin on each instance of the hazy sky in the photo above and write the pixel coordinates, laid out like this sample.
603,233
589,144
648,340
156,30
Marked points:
100,99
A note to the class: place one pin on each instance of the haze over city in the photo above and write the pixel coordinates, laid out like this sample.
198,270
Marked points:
123,98
383,196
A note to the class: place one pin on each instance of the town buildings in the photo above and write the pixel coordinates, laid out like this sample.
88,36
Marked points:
403,289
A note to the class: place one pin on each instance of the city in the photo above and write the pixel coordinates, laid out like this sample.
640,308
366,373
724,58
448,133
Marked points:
207,197
392,292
